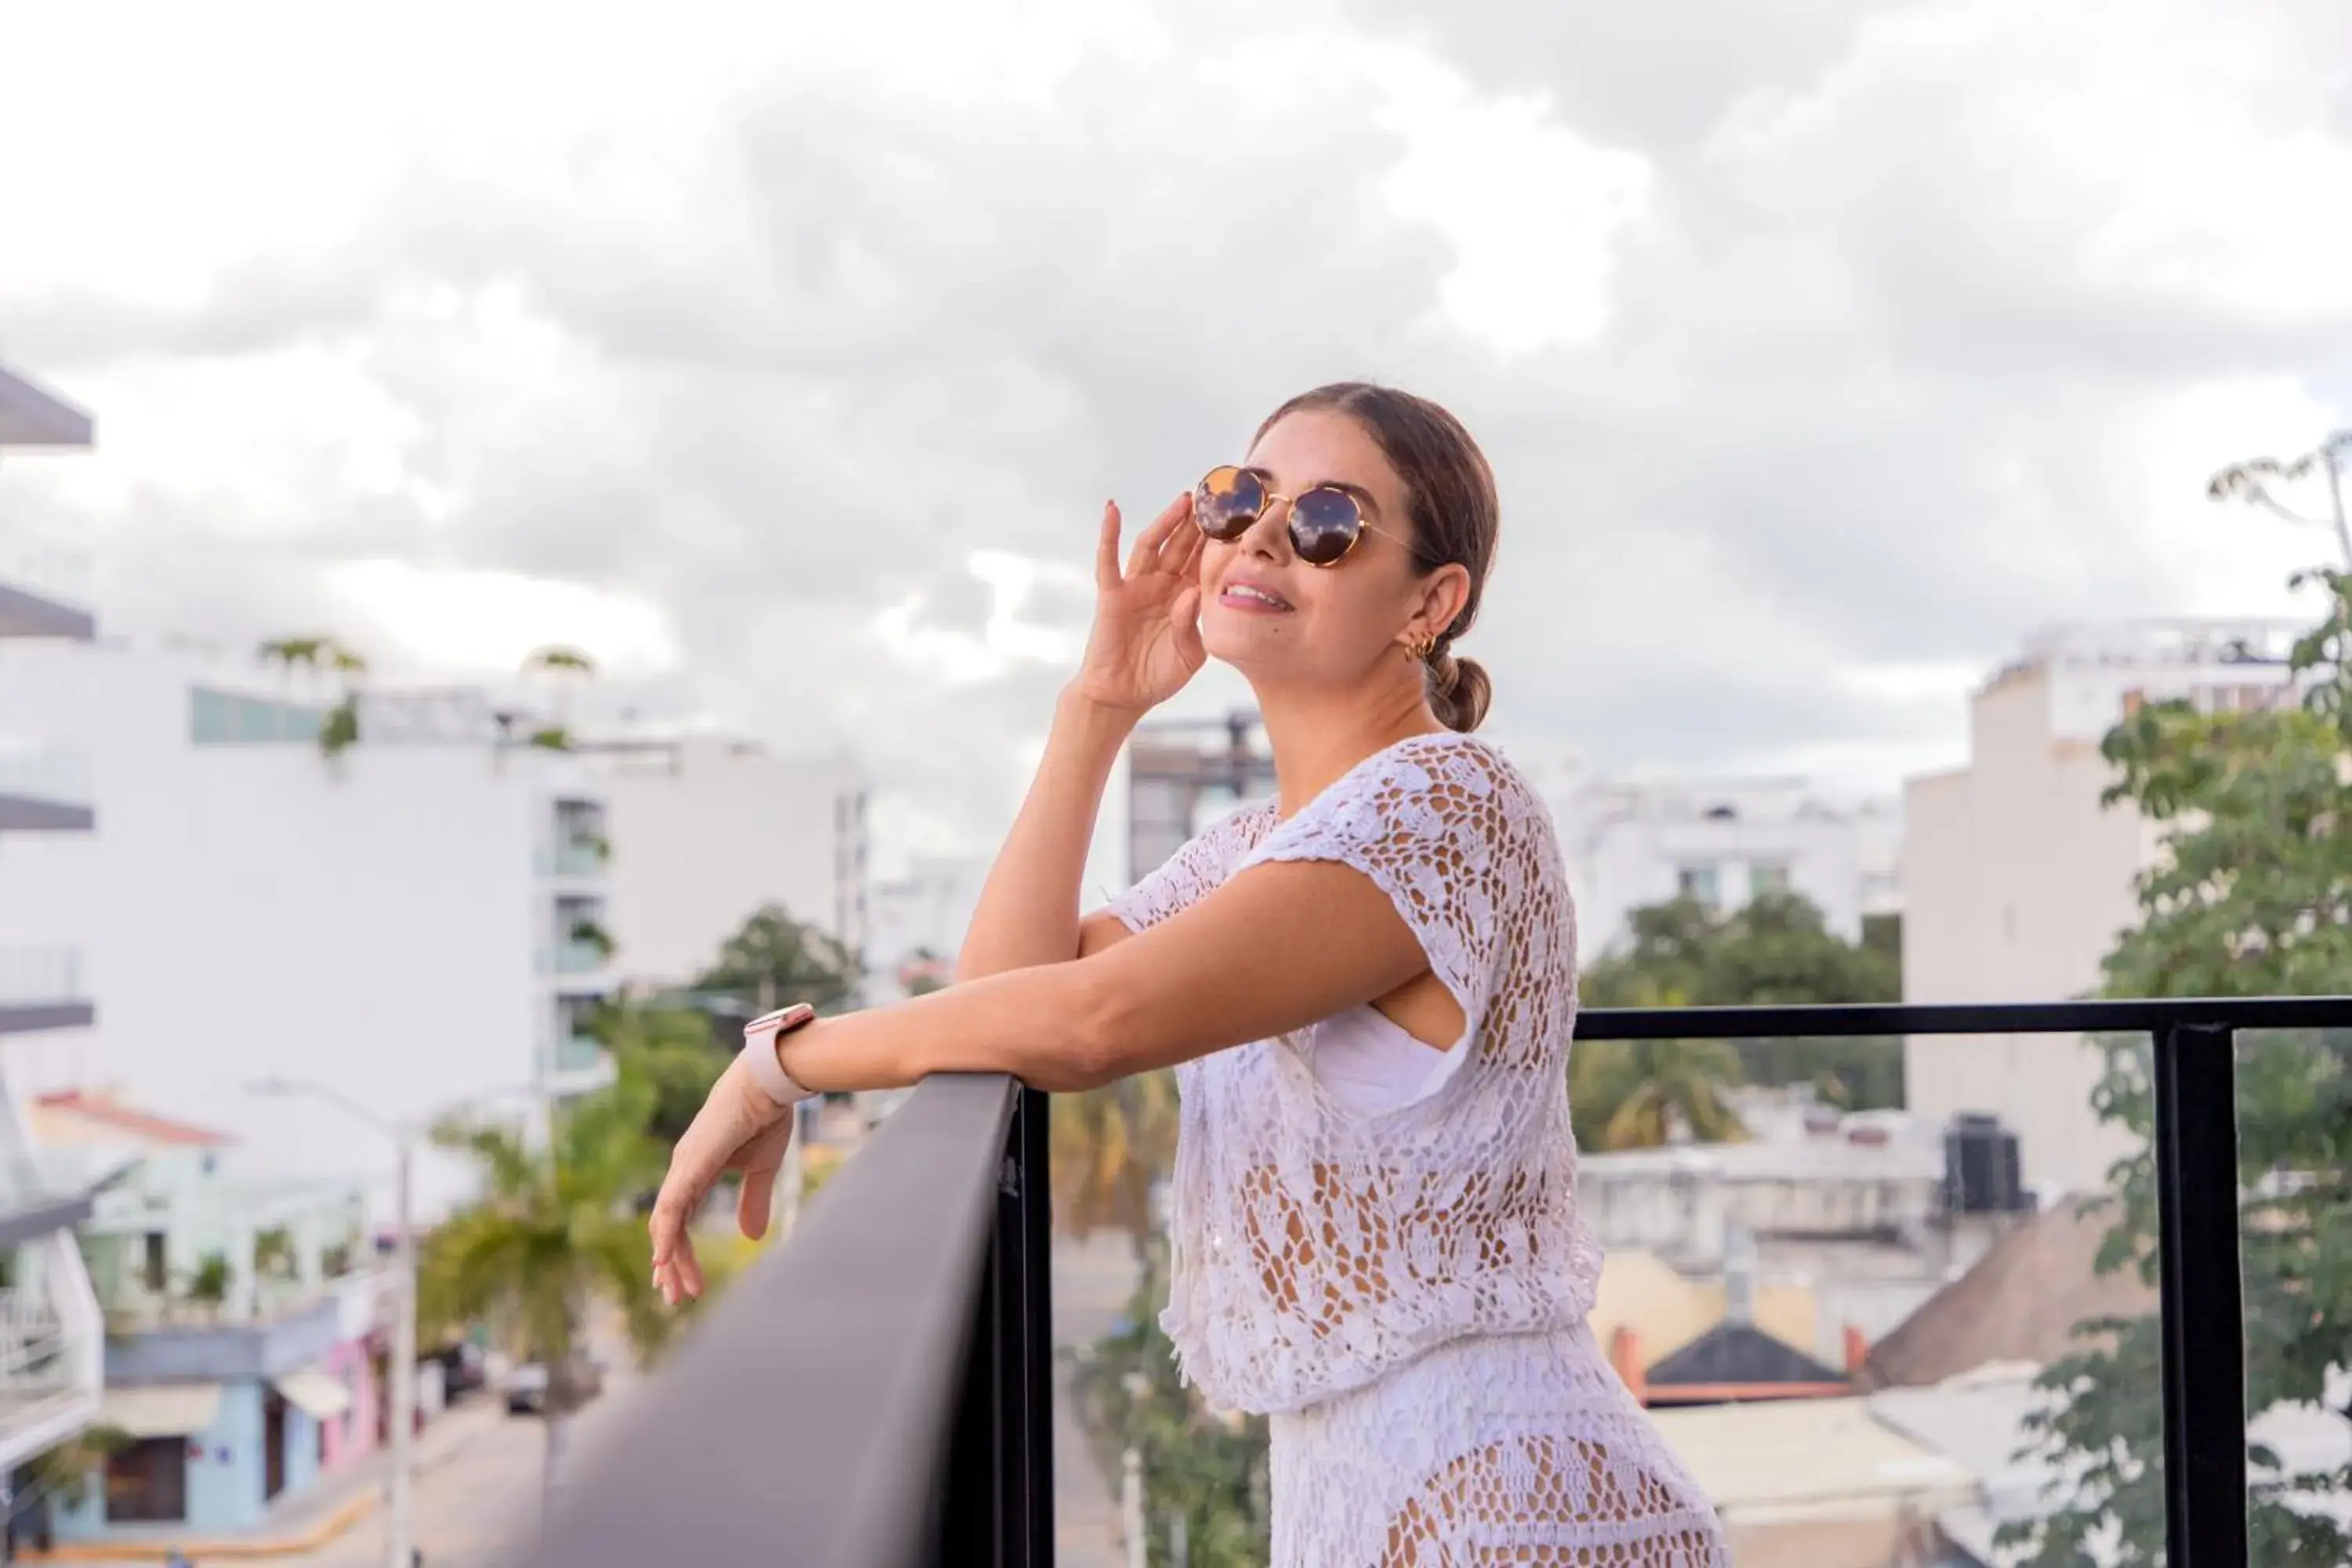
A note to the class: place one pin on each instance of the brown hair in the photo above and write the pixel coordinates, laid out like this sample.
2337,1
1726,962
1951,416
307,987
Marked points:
1454,510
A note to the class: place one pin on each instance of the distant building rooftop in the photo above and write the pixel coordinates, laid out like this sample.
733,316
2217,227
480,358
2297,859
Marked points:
2019,1302
75,1116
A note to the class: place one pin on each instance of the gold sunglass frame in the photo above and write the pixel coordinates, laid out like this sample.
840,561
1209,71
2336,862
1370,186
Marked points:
1275,498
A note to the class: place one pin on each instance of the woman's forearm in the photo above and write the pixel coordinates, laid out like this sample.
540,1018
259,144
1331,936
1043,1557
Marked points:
1028,910
1035,1023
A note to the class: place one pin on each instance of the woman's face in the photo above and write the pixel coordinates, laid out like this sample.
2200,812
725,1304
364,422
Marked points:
1264,611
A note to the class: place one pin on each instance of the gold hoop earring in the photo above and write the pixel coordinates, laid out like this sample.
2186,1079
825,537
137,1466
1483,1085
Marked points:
1418,645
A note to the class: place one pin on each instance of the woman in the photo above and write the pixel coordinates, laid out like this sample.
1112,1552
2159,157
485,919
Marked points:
1367,990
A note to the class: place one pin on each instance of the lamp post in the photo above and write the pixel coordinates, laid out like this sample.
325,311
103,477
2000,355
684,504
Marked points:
399,1513
2250,482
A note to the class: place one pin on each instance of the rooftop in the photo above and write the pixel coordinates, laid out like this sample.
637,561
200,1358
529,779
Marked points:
75,1115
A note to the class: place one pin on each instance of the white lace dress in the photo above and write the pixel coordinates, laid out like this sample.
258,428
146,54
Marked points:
1405,1292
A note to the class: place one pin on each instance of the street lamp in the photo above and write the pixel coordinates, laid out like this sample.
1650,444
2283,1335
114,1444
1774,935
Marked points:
399,1528
2249,480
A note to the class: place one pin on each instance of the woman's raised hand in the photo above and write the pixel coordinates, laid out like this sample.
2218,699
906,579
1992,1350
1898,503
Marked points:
1146,642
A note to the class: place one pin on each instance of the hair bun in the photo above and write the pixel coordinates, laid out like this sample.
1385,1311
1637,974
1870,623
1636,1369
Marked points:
1459,691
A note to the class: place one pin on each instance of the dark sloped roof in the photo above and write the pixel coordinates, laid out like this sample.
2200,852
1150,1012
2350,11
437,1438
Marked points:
2019,1303
1738,1353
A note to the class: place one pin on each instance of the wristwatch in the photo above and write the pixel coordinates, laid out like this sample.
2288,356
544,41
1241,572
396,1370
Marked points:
760,1037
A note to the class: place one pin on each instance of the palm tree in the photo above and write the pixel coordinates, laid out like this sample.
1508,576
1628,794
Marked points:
568,659
1677,1085
311,653
341,725
1111,1149
553,1233
1637,1094
568,667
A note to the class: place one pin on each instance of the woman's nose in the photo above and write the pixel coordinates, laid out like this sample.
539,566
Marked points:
1270,535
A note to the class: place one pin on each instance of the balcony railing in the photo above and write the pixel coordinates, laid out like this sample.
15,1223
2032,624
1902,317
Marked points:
44,593
60,576
53,774
878,1394
42,987
579,1053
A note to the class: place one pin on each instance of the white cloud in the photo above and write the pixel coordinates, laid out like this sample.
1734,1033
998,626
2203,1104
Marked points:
782,357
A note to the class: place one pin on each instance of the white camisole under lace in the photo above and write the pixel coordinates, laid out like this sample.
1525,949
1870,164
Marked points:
1383,1254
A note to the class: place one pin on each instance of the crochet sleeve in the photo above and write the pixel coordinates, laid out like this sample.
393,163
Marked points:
1182,879
1426,822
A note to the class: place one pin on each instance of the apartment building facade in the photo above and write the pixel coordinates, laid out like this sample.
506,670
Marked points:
1632,843
418,920
52,1335
715,827
2017,881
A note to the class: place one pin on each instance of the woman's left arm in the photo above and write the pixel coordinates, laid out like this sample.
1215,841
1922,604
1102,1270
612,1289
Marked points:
1281,946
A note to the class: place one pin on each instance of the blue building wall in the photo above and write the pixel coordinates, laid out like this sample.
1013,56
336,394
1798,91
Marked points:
225,1478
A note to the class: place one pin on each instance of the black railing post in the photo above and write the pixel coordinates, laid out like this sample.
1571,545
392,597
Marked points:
1028,1426
998,1508
2201,1296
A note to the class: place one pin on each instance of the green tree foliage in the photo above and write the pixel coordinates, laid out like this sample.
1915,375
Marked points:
1112,1148
1207,1469
775,961
1774,951
673,1051
1634,1094
553,1233
2252,895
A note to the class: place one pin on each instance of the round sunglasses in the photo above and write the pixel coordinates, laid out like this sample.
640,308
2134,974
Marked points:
1325,521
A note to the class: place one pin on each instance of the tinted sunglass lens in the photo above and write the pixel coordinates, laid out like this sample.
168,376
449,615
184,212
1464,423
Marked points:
1323,525
1228,501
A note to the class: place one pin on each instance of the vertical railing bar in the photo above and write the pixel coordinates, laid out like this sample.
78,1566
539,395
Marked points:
968,1509
1033,1125
1009,1347
2200,1297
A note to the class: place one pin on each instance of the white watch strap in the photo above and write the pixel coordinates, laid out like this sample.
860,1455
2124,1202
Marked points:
760,1037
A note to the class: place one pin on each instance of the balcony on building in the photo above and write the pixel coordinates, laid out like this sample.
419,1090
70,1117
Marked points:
44,789
579,844
242,1316
42,987
45,591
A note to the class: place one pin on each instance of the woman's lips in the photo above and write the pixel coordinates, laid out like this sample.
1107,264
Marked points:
1257,601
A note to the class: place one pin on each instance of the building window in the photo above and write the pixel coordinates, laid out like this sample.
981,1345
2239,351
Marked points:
1699,882
227,719
156,1275
147,1483
1768,877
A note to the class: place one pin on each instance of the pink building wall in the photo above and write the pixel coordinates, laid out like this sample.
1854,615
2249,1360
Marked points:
352,1438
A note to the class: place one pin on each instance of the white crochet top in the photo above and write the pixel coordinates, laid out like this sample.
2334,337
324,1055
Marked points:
1317,1246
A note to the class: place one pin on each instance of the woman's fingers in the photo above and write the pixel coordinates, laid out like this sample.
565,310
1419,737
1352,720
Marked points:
1184,621
1107,549
1178,544
753,1202
1149,545
1184,558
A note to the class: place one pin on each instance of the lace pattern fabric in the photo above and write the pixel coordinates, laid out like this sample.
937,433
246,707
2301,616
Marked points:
1521,1449
1404,1291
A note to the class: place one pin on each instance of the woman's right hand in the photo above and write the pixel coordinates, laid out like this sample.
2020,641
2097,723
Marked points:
1146,642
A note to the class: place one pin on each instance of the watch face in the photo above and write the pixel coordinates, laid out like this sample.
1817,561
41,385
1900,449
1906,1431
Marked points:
782,1018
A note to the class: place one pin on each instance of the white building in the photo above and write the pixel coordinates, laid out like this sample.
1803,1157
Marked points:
52,1335
2017,882
416,921
924,912
712,828
1631,845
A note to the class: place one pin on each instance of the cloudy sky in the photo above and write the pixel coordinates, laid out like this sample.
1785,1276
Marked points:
781,354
